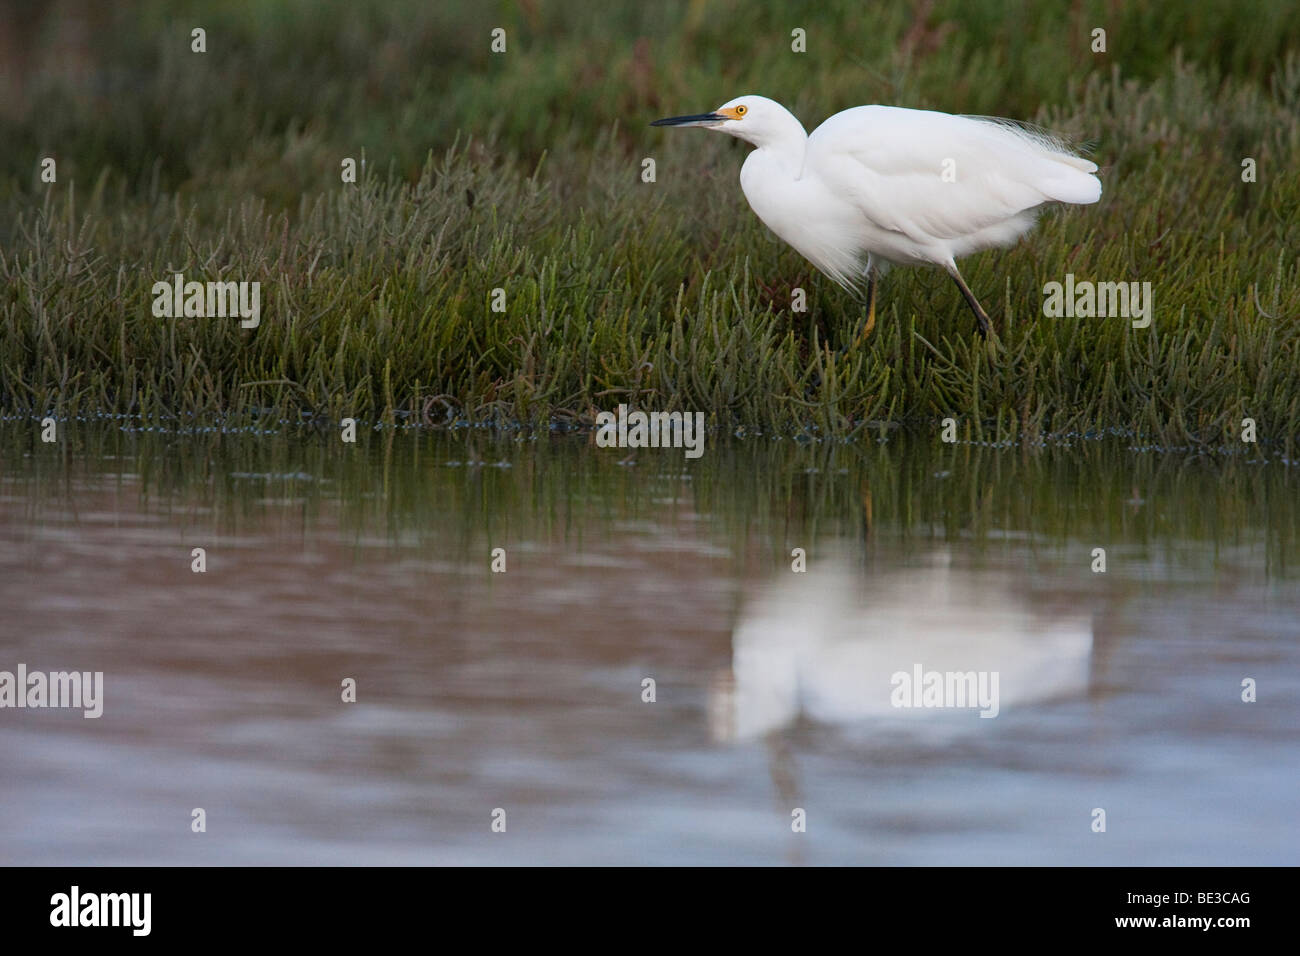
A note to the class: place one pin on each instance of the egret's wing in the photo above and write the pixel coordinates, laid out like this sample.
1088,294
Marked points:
892,162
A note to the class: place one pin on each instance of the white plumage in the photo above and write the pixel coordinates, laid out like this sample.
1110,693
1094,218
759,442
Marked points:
880,185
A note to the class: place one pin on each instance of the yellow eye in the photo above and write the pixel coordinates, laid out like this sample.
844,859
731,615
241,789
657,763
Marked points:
740,111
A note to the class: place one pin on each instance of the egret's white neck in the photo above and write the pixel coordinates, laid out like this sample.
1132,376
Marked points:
783,138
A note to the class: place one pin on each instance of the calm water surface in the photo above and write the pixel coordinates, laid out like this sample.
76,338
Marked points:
523,690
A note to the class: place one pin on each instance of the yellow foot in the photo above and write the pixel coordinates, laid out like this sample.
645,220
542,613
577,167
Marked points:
866,329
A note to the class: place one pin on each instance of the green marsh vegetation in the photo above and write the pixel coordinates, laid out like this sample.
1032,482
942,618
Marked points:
522,171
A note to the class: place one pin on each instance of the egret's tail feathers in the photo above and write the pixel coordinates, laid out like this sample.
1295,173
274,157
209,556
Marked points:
1038,139
1072,187
1078,162
1060,174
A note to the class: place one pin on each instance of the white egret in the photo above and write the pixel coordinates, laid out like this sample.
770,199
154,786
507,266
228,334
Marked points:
876,186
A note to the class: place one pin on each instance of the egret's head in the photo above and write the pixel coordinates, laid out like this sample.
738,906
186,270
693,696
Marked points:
755,119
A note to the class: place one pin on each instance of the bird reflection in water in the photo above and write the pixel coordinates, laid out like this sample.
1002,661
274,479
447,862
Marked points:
839,649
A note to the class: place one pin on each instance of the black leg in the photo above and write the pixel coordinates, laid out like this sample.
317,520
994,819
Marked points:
869,313
981,317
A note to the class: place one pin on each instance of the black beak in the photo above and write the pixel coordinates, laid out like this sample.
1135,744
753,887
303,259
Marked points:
699,119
